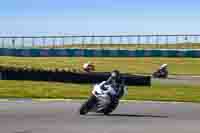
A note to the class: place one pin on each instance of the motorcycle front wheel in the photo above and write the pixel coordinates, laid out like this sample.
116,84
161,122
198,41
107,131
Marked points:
88,105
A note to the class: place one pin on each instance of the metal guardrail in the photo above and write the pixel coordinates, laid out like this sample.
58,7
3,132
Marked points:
138,41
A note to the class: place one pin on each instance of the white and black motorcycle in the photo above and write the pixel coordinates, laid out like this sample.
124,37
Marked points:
160,74
103,99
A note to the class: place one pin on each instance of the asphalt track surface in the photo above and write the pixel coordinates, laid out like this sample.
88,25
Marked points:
133,117
174,79
26,116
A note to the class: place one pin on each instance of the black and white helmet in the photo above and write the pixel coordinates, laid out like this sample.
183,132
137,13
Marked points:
115,74
163,66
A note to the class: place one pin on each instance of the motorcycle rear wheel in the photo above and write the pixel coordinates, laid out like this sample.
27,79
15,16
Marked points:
111,108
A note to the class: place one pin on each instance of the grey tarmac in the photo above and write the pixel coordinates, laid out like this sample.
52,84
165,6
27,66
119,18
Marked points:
178,80
132,117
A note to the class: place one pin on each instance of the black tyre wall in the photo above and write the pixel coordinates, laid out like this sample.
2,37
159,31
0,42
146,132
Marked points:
71,77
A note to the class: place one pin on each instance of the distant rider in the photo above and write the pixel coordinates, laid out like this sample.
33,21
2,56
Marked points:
162,72
163,69
88,67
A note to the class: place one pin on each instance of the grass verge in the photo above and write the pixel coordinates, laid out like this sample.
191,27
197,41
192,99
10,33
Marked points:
181,66
158,92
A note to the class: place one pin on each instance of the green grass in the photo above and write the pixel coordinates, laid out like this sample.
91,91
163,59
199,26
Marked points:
158,92
181,66
129,46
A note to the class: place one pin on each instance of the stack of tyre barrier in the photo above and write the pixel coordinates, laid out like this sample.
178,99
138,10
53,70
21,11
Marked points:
68,76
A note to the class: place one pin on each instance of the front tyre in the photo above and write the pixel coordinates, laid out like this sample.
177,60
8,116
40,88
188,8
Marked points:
87,106
83,110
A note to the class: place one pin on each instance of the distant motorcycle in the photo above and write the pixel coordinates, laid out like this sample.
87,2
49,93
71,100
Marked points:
103,99
160,74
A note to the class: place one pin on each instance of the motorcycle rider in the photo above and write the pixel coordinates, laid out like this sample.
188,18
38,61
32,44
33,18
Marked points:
162,72
88,67
105,98
163,69
117,82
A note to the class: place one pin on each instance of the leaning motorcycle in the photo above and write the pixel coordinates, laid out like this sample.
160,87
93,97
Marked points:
103,99
160,74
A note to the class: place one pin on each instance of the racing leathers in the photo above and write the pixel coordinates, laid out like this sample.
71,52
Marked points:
118,85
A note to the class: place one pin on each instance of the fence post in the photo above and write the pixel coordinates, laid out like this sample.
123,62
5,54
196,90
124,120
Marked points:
185,40
167,41
120,41
54,42
22,41
13,42
33,42
177,39
157,41
147,40
129,39
63,42
111,40
196,41
101,42
92,40
193,41
72,38
138,40
83,41
2,43
44,42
